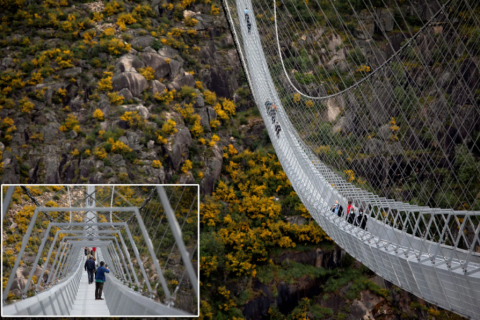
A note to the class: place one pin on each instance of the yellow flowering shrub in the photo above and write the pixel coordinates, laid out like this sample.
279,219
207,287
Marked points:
170,127
160,138
187,165
118,146
214,123
229,107
25,105
134,119
71,123
165,97
147,72
100,153
115,98
97,17
98,114
190,22
112,8
210,97
108,32
197,129
105,84
215,10
156,164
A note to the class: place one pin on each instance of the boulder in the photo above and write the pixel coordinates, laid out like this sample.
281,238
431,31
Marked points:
133,141
374,146
183,79
11,170
149,50
142,41
178,150
384,132
158,174
50,132
135,82
212,174
73,134
199,101
117,159
7,62
126,94
97,177
365,26
385,20
70,72
382,106
204,118
51,164
76,104
170,53
127,62
150,144
157,86
142,110
86,166
344,125
157,63
186,178
334,107
175,67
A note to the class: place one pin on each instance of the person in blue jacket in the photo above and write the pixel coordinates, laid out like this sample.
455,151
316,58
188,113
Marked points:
100,280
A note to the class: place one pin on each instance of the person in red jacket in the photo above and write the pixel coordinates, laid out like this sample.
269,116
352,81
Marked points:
349,207
94,249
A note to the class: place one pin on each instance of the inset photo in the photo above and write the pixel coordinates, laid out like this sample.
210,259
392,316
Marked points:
100,250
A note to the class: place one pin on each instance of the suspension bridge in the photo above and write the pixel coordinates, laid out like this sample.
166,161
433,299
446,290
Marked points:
150,256
378,105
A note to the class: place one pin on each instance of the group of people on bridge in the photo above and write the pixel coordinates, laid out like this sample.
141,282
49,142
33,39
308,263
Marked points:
272,112
357,219
98,273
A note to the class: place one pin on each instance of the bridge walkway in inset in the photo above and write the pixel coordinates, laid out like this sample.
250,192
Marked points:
85,303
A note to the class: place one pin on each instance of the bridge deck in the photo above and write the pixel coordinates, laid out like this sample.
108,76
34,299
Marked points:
85,303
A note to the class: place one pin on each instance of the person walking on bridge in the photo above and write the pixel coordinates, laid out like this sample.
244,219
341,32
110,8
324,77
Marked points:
278,129
337,209
268,104
94,250
249,26
86,252
247,18
90,268
273,113
100,280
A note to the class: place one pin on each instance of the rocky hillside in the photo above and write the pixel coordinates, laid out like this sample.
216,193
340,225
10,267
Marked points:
108,92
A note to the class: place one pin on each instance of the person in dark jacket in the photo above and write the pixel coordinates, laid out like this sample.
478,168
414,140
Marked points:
337,209
268,104
361,220
273,113
278,129
351,216
86,251
100,280
90,268
249,26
